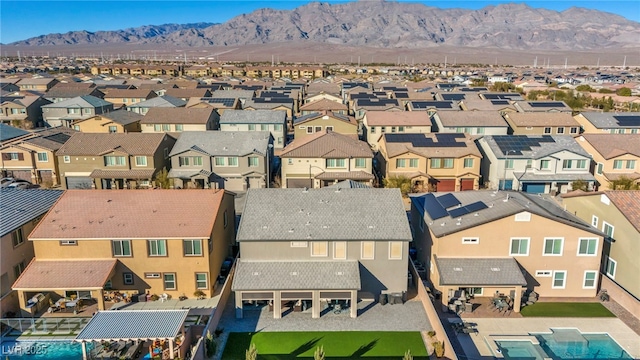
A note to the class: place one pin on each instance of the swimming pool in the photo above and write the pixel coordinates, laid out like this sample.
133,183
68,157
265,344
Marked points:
42,350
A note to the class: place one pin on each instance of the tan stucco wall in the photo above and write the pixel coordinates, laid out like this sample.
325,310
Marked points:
607,167
339,126
299,169
31,162
10,257
101,125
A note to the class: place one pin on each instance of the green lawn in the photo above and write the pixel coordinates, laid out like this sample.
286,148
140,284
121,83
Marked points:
337,345
550,309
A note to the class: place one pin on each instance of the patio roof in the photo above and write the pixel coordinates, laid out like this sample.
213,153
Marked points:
65,274
133,325
344,175
122,174
480,272
528,176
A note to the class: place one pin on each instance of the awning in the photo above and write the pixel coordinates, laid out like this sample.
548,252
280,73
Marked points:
133,325
529,176
480,272
122,174
409,175
345,175
617,176
296,275
188,174
65,275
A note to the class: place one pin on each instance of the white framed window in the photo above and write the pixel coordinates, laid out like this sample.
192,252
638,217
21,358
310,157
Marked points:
309,129
543,273
201,281
252,127
400,163
300,244
127,278
157,247
152,275
560,130
547,130
413,163
43,157
471,240
617,164
166,127
567,164
192,247
66,159
335,163
340,250
361,162
594,221
253,161
368,250
121,247
508,163
476,291
289,161
610,267
264,127
232,161
219,161
113,129
319,248
395,250
631,164
523,216
559,279
468,162
68,242
590,278
544,164
169,280
110,160
553,246
573,130
141,161
599,168
587,247
277,127
519,247
607,229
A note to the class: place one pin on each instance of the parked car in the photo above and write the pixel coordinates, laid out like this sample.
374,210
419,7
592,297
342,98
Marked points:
4,182
20,184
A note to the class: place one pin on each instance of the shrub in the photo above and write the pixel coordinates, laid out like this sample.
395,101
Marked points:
251,353
155,297
319,353
431,333
407,355
401,182
438,348
210,344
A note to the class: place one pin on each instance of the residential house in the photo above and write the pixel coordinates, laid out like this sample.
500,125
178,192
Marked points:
230,160
376,123
22,209
119,121
470,122
64,113
186,94
22,111
616,214
128,97
281,103
317,122
507,242
323,91
361,106
33,157
321,245
542,106
434,106
542,123
435,162
616,157
219,104
164,101
178,119
325,158
501,106
274,121
37,84
113,161
534,164
132,241
324,105
66,91
609,122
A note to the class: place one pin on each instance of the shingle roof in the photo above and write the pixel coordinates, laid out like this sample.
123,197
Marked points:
542,119
177,115
628,202
471,118
216,143
134,325
296,275
65,274
100,143
614,145
8,132
160,101
253,117
265,105
122,117
323,214
323,104
397,144
68,91
349,184
79,102
18,206
540,106
327,144
479,271
328,114
607,120
187,93
397,118
477,104
131,214
51,138
537,144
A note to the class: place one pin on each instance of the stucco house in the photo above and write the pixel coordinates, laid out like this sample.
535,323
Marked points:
119,121
322,121
274,121
615,157
178,119
64,113
609,122
376,123
470,122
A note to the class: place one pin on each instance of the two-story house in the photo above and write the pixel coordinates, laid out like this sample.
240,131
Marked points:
324,121
474,103
486,242
66,91
119,121
178,119
37,84
230,160
616,158
164,101
542,106
534,164
113,161
22,111
324,104
609,122
542,123
131,241
126,97
274,121
376,123
435,162
64,113
470,122
22,209
321,245
324,158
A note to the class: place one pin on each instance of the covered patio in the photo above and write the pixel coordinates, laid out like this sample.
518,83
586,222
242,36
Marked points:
194,178
331,177
123,179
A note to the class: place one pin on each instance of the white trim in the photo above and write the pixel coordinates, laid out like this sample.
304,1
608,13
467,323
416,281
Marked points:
373,256
564,279
471,240
520,238
326,248
544,245
544,273
595,253
612,228
595,279
615,267
391,243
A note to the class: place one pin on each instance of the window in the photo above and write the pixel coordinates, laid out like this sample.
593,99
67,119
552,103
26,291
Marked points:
169,281
581,164
589,279
252,127
152,275
634,131
413,163
560,130
141,161
340,250
436,163
121,247
544,164
361,162
68,242
395,250
519,247
225,218
400,128
617,164
219,161
470,240
127,278
165,152
279,139
192,247
231,161
547,130
66,159
318,129
73,111
393,129
573,130
289,161
559,278
43,157
608,230
368,250
448,163
113,129
543,273
17,237
156,128
567,164
599,168
18,269
508,163
631,164
468,163
11,156
373,129
594,221
302,244
157,247
264,127
76,127
253,161
335,163
610,267
278,127
114,161
309,129
553,247
201,281
179,127
480,130
319,248
587,247
400,163
166,127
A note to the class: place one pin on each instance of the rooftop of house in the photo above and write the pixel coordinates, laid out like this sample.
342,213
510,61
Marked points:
35,81
479,271
323,104
521,119
397,118
325,115
177,115
219,143
434,104
477,104
51,138
18,206
70,91
8,132
234,94
627,201
188,93
327,144
128,93
122,117
253,117
614,145
98,144
532,146
613,120
430,145
471,119
539,106
323,214
80,102
160,101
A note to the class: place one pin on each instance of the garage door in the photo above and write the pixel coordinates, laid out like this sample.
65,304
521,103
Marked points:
446,185
21,174
533,188
79,182
46,177
298,183
466,184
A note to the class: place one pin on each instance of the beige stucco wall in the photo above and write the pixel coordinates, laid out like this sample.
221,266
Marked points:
100,124
299,168
10,257
30,162
339,126
604,183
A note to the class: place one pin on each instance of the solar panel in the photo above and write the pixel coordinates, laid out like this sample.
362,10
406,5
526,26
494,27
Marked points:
500,102
59,138
448,200
479,205
459,212
432,104
515,144
502,96
453,96
224,101
401,95
627,120
420,140
545,104
433,207
474,89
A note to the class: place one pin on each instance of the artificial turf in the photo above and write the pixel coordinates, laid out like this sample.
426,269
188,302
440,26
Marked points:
552,309
337,345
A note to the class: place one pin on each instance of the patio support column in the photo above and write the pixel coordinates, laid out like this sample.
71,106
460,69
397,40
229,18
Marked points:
315,304
354,303
171,354
277,305
518,299
238,295
100,299
84,351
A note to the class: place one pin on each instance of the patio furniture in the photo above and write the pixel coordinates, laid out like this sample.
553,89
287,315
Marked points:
164,297
469,331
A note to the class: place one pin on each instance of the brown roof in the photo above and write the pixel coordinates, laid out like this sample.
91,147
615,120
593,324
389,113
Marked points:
614,145
188,93
542,119
471,118
628,202
131,214
618,176
323,104
101,143
319,87
122,174
327,144
128,93
476,104
397,118
177,115
340,117
65,274
399,148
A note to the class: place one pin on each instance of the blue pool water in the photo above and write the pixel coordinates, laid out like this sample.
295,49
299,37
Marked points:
42,350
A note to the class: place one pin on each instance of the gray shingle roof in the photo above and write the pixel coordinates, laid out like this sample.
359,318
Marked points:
348,184
296,275
253,117
80,101
561,143
134,325
216,143
160,101
122,117
323,214
18,206
610,119
479,271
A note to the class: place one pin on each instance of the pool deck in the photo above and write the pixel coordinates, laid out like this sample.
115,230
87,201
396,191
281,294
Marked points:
475,345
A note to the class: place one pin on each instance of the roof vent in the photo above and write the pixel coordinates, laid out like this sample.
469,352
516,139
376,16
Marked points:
338,190
265,227
443,224
290,230
339,273
457,269
293,273
506,199
325,226
370,226
255,273
491,205
308,223
495,269
305,189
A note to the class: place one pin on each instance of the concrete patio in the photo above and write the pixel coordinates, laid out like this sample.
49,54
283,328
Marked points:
195,306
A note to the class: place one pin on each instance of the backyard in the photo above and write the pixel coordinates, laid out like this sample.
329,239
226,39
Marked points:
551,309
337,345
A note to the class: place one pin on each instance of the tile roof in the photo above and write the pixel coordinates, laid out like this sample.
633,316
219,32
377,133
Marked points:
480,271
131,214
18,206
614,145
128,93
323,114
266,105
323,214
296,275
397,118
164,101
327,144
79,102
253,117
177,115
532,146
323,104
628,202
217,143
8,132
539,106
471,119
35,81
100,143
235,94
69,91
542,119
188,93
607,120
65,274
134,325
122,174
430,145
477,104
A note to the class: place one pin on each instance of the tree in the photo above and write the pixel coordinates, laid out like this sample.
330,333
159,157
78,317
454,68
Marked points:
251,353
400,182
319,353
502,87
162,179
605,91
584,87
625,183
580,185
623,92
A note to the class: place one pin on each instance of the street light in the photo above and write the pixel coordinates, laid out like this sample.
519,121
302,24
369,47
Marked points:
269,148
506,161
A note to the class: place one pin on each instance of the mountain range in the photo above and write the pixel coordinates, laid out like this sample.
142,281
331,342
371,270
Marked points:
384,24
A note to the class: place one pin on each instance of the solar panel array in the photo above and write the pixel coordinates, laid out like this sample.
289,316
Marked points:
447,86
362,96
277,100
502,96
453,96
224,101
349,85
377,102
473,89
419,140
59,138
540,104
401,95
432,104
516,144
627,120
500,102
433,207
266,94
437,207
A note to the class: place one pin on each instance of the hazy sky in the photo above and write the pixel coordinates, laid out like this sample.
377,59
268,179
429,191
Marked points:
22,19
